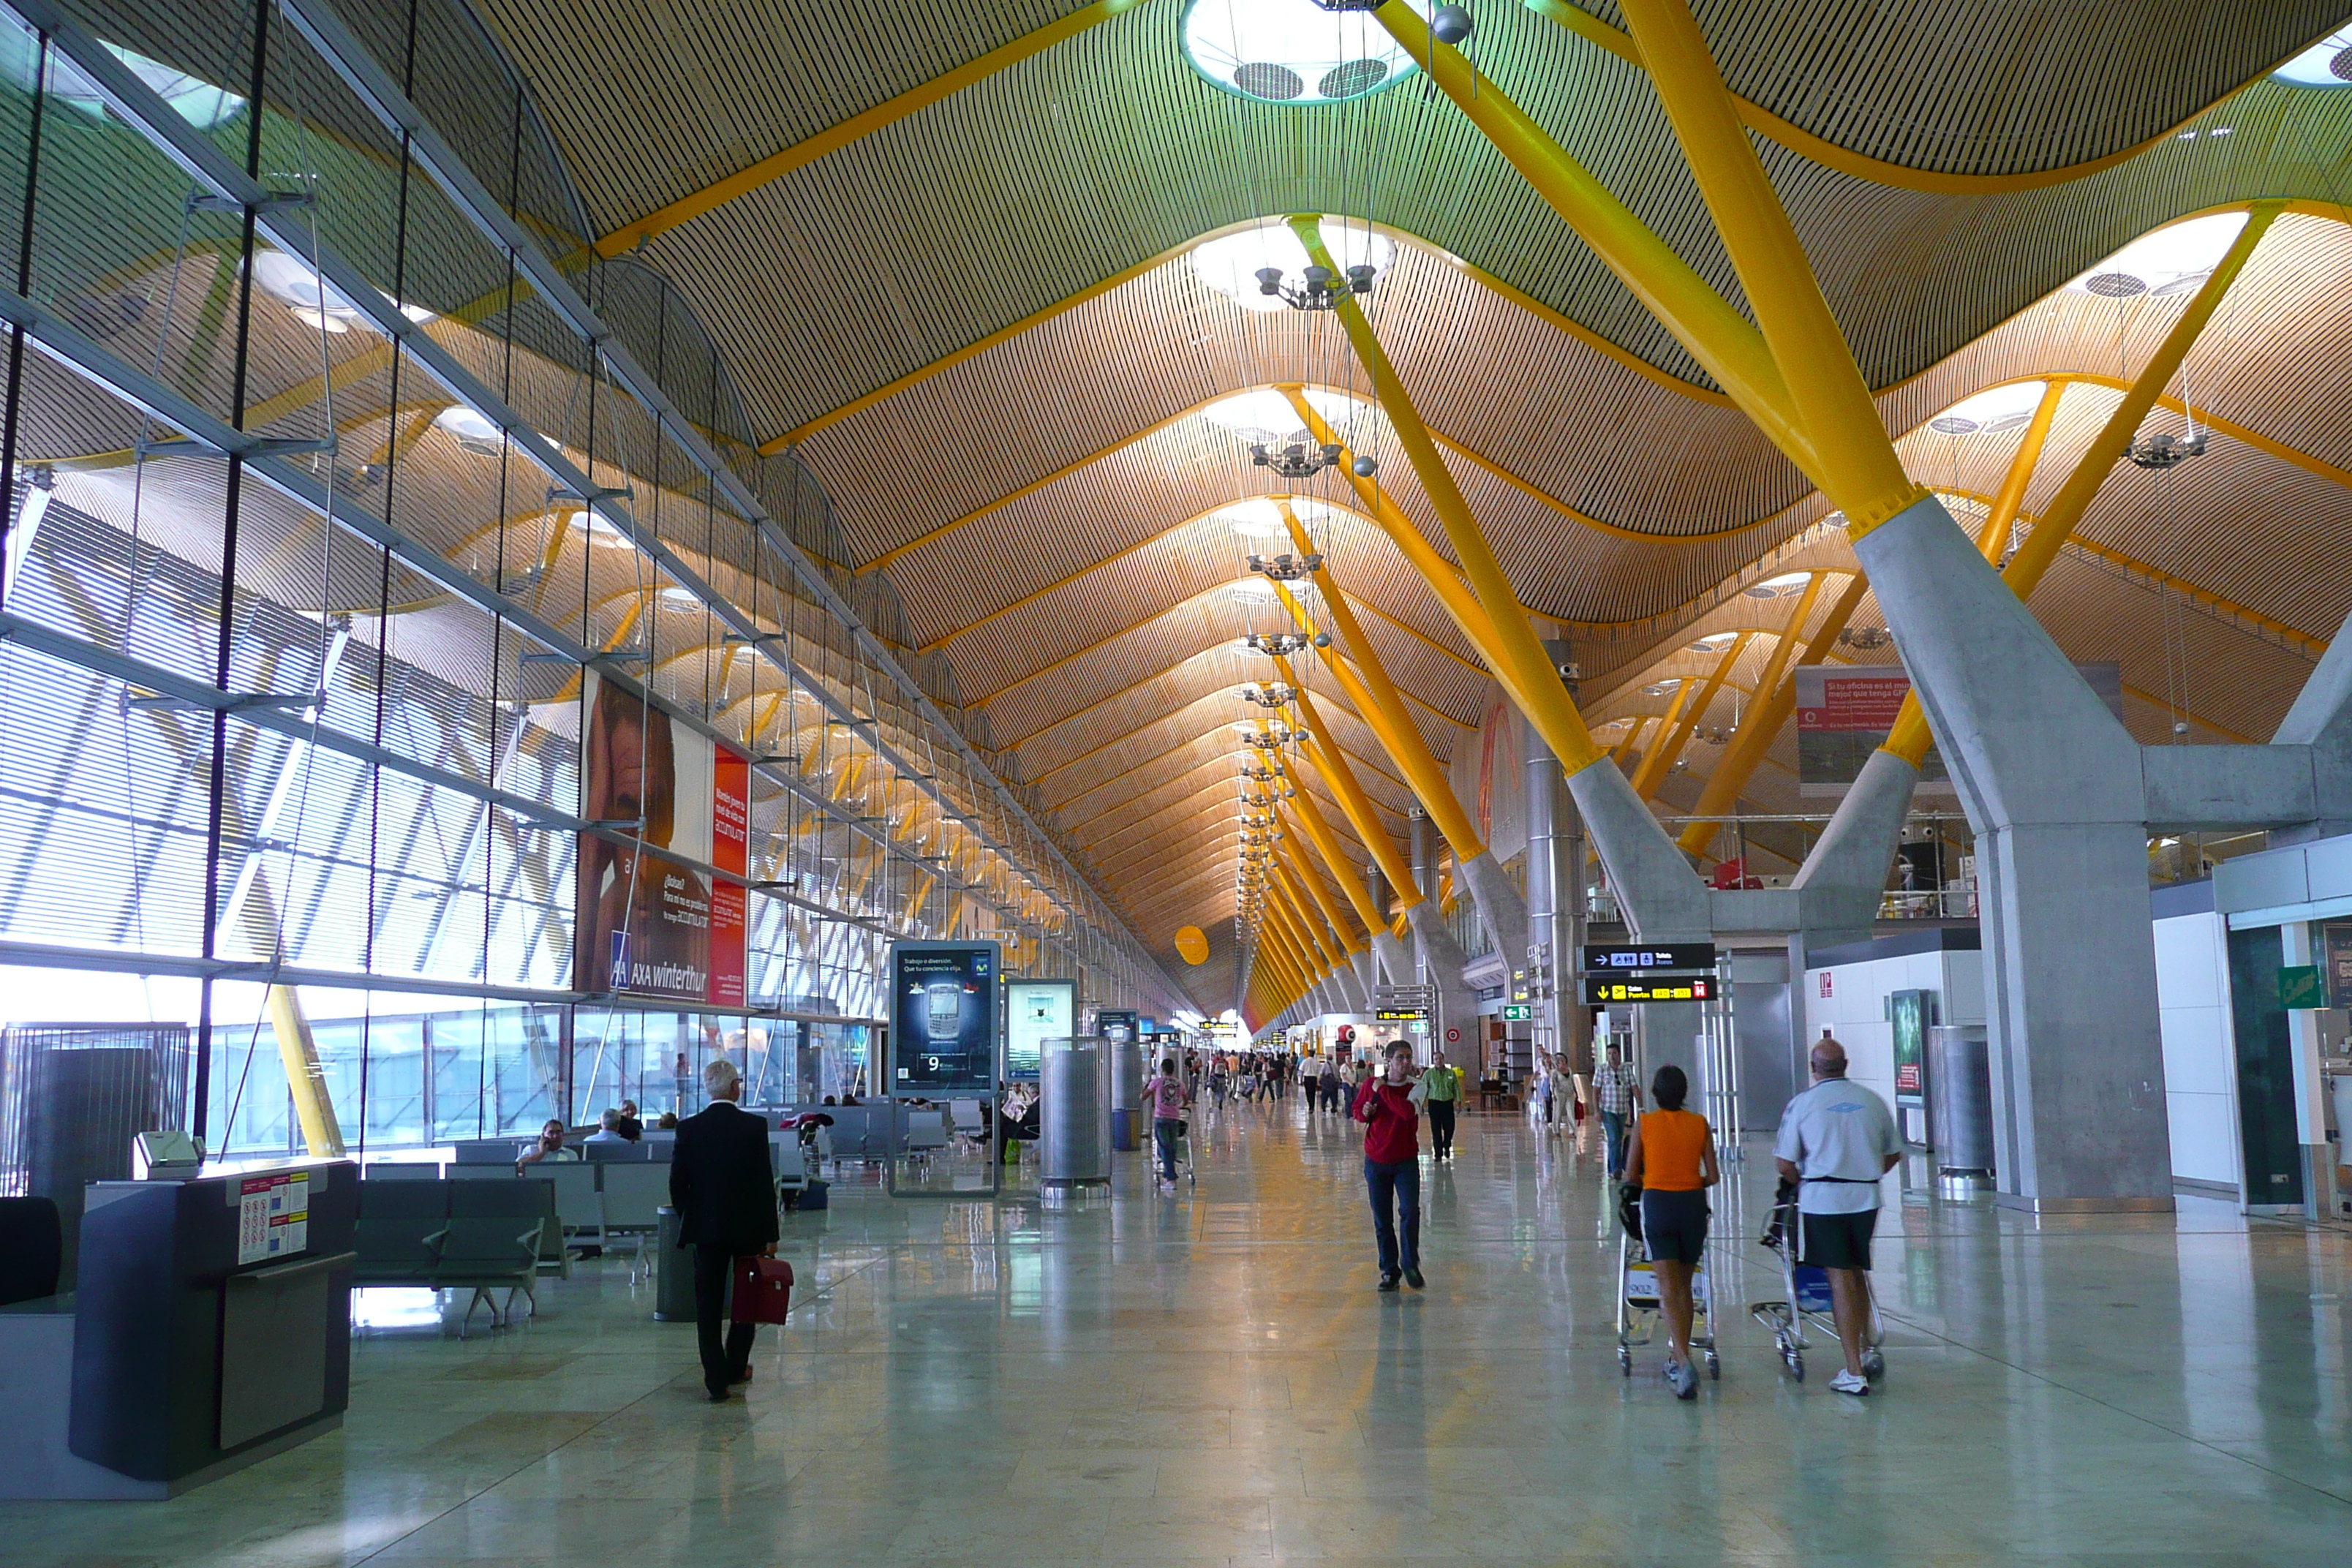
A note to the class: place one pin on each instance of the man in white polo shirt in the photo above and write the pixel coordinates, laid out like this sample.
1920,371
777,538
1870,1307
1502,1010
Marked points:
1837,1139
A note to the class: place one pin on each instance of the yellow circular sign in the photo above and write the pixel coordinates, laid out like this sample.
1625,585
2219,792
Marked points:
1191,945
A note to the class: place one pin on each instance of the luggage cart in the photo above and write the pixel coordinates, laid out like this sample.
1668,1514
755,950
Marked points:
1808,1301
1639,1310
1185,1174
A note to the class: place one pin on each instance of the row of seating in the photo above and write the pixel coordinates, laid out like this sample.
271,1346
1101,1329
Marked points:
476,1236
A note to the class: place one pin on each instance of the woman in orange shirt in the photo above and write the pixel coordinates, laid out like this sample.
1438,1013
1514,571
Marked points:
1672,1159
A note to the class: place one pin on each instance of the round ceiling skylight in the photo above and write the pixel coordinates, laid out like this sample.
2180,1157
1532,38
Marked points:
1292,51
2170,260
1254,587
2328,63
1990,412
1266,415
1774,587
1716,643
1230,263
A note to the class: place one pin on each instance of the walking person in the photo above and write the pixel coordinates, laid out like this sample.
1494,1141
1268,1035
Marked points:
1441,1094
1672,1162
1332,1083
1168,1103
1563,1097
1311,1086
1836,1140
1389,1107
723,1187
1616,1092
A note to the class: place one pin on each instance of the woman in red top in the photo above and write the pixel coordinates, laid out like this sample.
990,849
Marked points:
1388,1106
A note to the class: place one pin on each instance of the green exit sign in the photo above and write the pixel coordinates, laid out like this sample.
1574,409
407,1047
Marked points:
1518,1013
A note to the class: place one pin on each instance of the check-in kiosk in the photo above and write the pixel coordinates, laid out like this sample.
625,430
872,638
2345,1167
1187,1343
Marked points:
211,1330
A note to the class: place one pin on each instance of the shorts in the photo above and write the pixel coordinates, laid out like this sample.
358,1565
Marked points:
1674,1226
1839,1240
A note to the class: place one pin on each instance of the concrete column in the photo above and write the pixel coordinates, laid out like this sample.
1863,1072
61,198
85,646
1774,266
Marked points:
1439,958
1555,860
1396,959
2051,784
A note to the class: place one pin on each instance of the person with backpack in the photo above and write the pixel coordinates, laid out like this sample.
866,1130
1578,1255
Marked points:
1672,1159
1169,1101
1389,1105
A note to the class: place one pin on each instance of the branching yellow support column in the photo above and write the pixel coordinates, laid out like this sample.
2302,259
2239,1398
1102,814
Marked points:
1660,763
1318,833
1683,686
1328,760
2011,498
1533,683
306,1080
1909,738
1858,468
1623,749
1775,698
1302,874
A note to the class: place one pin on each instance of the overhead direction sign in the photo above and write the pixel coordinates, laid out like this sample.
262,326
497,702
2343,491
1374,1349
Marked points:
1399,1015
1602,991
1618,958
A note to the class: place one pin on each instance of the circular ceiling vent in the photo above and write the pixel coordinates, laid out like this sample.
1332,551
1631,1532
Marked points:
2340,67
1953,425
1354,77
2116,285
1274,83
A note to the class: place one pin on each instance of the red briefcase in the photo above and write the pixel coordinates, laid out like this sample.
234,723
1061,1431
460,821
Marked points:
763,1289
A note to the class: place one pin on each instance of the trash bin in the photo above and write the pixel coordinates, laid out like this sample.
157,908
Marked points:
673,1271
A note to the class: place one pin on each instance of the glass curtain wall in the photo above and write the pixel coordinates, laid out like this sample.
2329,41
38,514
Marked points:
339,475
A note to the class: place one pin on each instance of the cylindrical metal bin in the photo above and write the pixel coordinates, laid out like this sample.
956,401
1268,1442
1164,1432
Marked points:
1074,1113
1127,1095
1959,1099
673,1270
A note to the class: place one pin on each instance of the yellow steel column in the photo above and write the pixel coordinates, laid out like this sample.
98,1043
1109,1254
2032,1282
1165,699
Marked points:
1775,698
1536,686
1302,872
1859,470
1302,916
1403,740
1718,336
314,1107
1909,738
1683,690
1618,752
1656,766
2011,496
1328,760
1318,833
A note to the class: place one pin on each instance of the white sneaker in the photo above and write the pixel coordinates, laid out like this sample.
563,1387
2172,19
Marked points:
1849,1382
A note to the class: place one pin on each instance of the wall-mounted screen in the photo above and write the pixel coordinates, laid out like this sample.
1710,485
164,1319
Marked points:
943,1002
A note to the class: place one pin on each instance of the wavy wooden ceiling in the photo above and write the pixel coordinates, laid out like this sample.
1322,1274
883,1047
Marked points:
1045,506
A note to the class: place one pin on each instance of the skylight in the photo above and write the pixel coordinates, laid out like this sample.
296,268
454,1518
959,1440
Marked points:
199,102
1230,263
1291,51
1266,415
2170,260
2328,63
1990,412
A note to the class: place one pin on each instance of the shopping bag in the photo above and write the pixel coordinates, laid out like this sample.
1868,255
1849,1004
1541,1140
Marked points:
763,1289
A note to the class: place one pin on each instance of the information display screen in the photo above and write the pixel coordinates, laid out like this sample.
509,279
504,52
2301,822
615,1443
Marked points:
1036,1011
1617,958
1399,1014
1115,1025
943,1001
1602,991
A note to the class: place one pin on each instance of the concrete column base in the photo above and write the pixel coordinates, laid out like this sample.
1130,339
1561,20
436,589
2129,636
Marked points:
1395,957
1500,907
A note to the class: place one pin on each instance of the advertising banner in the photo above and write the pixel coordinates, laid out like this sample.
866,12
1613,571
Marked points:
1116,1024
943,997
1843,714
1036,1011
650,923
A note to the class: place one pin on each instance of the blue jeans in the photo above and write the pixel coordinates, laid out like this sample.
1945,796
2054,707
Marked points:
1163,1134
1612,1123
1400,1182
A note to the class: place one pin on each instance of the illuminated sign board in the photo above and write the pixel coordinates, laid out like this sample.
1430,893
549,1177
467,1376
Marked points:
1036,1011
1606,990
1400,1015
1519,1013
1619,958
944,1017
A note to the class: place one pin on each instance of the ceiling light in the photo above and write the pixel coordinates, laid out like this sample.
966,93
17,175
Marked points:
1255,588
1256,518
2328,63
1293,51
2170,260
1266,416
1661,689
1990,412
1231,263
1774,587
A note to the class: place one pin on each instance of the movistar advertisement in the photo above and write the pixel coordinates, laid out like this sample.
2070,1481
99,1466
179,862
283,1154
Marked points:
943,1017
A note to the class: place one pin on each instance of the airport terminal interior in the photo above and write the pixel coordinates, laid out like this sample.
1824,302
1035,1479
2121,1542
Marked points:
1102,715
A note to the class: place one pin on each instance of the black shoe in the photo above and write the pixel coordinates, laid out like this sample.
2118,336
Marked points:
1413,1277
1388,1281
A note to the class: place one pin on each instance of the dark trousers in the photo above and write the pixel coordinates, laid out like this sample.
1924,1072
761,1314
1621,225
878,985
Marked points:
1440,1127
1314,1094
1163,1134
1613,1123
1397,1186
713,1268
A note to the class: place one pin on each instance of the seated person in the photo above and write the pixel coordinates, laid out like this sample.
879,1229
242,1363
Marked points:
608,1130
668,1122
548,1148
632,1127
829,1099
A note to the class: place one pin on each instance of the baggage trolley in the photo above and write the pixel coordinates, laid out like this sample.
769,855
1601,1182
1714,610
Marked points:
1184,1171
1639,1309
1808,1301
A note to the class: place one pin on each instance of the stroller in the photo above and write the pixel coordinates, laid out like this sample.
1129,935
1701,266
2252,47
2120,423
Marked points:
1639,1307
1808,1297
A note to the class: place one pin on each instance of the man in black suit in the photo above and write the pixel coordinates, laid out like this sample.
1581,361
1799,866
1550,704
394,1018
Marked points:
723,1187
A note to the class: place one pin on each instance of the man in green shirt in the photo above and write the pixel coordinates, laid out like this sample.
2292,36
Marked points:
1444,1087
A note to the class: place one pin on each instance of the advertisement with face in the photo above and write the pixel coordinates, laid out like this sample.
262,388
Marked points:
1036,1011
943,1013
651,923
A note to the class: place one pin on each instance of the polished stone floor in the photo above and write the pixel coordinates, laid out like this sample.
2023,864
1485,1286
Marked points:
1211,1378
